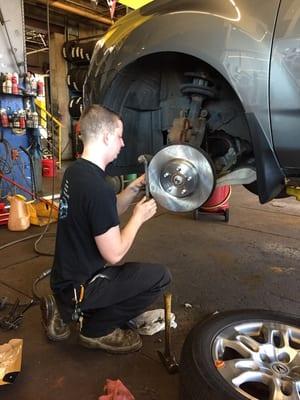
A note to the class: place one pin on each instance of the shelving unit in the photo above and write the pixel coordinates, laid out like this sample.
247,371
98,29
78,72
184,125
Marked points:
20,166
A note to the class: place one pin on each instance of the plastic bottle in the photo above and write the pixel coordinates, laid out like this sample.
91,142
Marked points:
4,84
16,121
10,117
29,121
40,88
2,79
27,83
35,119
9,83
19,218
33,84
14,80
4,118
22,119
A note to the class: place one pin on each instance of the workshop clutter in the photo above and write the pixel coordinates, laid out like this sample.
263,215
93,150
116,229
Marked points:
3,214
151,322
115,390
13,83
76,106
10,361
19,218
19,119
218,200
77,54
79,51
76,78
49,167
41,212
218,203
22,214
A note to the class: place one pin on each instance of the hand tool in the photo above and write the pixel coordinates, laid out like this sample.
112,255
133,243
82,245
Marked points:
167,358
145,159
13,320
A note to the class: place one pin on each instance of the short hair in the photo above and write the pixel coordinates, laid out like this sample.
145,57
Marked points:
95,120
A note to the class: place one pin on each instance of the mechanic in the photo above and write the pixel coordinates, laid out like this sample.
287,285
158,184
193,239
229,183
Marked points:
85,279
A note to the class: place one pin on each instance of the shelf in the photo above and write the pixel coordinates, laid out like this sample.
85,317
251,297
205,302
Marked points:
18,95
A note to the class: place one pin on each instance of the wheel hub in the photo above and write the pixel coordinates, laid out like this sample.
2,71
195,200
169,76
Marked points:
181,178
280,369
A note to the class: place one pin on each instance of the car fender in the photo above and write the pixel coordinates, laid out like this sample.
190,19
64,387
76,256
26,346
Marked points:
234,38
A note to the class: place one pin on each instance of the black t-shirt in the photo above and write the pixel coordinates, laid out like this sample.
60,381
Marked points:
87,208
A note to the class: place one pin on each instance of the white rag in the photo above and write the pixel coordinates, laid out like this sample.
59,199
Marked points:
151,322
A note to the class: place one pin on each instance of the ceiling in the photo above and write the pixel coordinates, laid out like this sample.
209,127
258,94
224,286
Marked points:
64,13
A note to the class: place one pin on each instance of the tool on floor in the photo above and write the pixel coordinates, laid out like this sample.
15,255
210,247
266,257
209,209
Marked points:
3,302
13,319
167,358
5,178
145,159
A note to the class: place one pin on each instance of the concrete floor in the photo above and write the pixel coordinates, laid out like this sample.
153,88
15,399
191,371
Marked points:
250,262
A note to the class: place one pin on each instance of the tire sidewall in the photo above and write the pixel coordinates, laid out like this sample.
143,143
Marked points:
198,372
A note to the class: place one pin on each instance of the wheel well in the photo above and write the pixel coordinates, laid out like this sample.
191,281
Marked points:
147,94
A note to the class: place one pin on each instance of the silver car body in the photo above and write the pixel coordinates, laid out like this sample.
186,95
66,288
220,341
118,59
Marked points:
253,45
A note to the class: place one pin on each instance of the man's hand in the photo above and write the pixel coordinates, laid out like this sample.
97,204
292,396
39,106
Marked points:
114,243
144,210
137,185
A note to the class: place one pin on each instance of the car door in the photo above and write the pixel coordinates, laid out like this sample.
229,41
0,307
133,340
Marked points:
285,86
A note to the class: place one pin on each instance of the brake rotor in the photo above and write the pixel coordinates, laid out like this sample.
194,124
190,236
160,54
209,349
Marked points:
181,178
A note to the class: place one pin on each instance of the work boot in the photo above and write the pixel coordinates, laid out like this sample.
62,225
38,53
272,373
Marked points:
54,326
120,341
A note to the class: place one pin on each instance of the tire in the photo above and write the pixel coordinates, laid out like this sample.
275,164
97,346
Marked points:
117,183
201,379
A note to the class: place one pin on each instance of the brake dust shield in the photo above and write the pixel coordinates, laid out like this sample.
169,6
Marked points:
181,178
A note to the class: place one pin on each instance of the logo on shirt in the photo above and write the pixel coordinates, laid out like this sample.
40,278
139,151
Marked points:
63,203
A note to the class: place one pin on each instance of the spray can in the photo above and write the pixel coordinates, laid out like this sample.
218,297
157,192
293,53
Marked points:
27,83
4,118
14,80
29,122
35,119
22,119
33,85
16,121
10,117
40,88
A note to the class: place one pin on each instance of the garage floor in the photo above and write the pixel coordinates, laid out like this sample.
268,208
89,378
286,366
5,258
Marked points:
250,262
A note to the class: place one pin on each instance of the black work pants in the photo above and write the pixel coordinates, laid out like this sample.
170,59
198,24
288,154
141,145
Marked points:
129,290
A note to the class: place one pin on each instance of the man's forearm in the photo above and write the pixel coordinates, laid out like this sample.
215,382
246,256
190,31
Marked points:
128,234
125,198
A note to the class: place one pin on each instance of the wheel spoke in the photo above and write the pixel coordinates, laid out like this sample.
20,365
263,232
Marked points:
233,369
251,376
295,395
238,346
286,337
276,393
249,342
284,390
